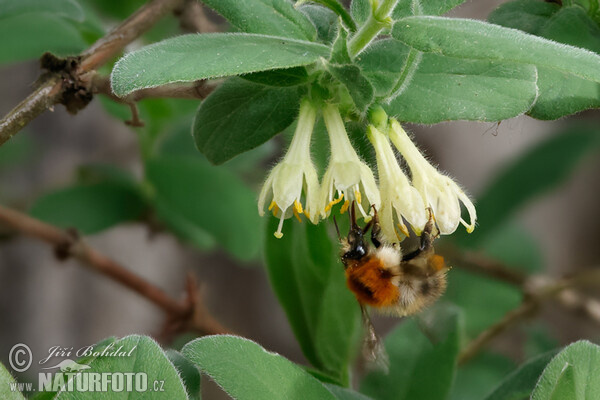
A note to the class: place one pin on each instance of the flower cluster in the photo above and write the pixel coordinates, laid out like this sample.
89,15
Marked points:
292,187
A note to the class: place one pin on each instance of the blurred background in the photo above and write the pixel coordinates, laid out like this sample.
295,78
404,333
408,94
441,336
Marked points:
45,302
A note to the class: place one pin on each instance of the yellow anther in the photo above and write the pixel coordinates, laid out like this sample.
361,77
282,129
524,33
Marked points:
334,202
297,215
403,229
345,207
278,235
307,214
273,206
298,207
358,196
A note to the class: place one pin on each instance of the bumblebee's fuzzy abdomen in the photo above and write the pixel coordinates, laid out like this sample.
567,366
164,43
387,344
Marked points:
372,283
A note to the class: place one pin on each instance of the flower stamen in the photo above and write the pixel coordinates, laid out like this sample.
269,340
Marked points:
334,202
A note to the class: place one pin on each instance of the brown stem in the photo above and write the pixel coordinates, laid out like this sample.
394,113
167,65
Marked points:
480,264
537,290
40,100
511,318
129,30
190,314
193,90
53,85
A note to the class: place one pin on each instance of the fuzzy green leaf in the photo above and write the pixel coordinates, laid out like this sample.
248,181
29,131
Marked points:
384,63
572,374
470,39
520,383
308,280
90,208
209,199
267,17
324,20
240,116
560,93
188,58
526,15
246,371
358,86
62,8
405,8
28,36
6,385
188,372
147,358
279,77
414,360
445,88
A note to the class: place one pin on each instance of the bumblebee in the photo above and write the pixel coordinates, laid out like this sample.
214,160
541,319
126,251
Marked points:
381,277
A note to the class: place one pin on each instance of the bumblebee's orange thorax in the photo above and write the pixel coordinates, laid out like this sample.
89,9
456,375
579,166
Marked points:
371,282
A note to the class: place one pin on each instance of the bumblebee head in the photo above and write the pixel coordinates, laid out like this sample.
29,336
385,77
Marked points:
354,246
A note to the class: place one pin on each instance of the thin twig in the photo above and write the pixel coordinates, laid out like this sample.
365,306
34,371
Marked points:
115,41
511,318
480,264
54,85
192,90
190,314
537,290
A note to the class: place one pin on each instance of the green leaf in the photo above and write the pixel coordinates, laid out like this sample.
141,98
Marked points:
308,280
188,58
563,94
324,20
279,77
572,374
210,199
268,17
7,382
358,86
180,225
526,15
338,9
241,115
419,369
360,11
520,383
485,301
470,39
62,8
28,36
445,88
90,208
405,8
147,358
479,376
188,373
540,169
384,63
246,371
560,94
342,393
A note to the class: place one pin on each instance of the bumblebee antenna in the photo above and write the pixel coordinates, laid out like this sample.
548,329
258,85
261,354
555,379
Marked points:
337,229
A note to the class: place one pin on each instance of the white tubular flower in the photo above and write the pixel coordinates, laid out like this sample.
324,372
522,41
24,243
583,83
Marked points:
399,200
347,177
440,192
294,175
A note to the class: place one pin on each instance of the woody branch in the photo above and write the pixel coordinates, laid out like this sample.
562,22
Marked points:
76,75
187,315
536,291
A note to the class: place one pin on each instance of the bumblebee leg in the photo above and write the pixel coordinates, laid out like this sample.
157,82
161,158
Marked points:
375,230
429,234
